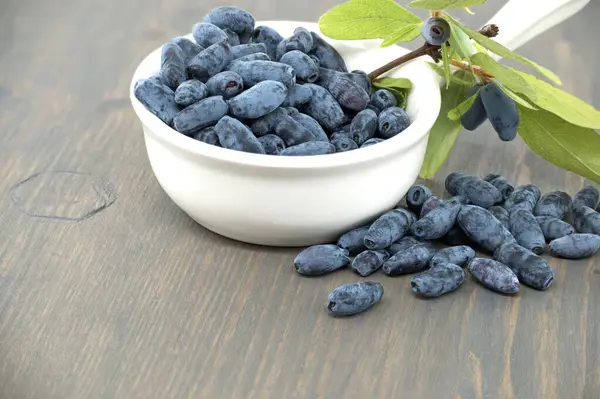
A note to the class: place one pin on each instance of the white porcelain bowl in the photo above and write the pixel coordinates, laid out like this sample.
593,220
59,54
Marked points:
294,201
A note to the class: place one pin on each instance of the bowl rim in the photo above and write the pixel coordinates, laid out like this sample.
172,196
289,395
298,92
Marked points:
426,114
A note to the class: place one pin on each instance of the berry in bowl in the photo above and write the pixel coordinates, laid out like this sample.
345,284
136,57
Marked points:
270,133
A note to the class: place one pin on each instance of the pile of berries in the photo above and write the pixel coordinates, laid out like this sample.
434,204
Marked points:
247,88
489,215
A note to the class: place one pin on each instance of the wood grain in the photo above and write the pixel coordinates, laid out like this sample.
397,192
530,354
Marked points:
137,301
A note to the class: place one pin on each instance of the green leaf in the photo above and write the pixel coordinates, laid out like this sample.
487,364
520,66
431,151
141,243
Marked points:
507,76
502,51
405,34
479,48
399,87
446,63
443,4
460,41
456,113
566,106
568,146
365,19
393,83
517,98
445,131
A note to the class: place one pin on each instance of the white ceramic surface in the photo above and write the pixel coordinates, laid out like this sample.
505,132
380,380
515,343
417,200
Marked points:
299,201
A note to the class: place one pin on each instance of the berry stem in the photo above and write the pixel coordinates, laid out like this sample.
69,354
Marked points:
482,73
425,49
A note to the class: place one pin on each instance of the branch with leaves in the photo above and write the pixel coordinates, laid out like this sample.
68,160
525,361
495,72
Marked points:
553,123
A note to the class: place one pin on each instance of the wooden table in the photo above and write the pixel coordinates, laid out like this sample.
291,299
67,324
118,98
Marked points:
108,290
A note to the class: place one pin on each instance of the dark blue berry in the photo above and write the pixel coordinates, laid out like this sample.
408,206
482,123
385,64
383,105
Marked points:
392,121
328,56
259,100
361,78
586,220
269,36
311,125
416,197
354,240
272,144
309,148
297,95
556,204
482,227
501,184
190,92
233,18
210,61
305,67
494,275
370,142
206,34
189,48
363,126
575,246
321,259
459,255
431,202
324,108
232,37
475,115
368,262
554,228
501,214
501,111
343,144
347,93
253,57
587,196
234,135
173,67
413,259
524,197
437,281
531,269
158,99
404,243
350,299
526,230
478,191
436,31
227,84
438,221
292,132
243,50
389,227
254,72
208,136
267,123
301,40
382,99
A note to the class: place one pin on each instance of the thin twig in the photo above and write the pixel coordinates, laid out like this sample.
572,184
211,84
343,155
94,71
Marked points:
486,76
423,50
